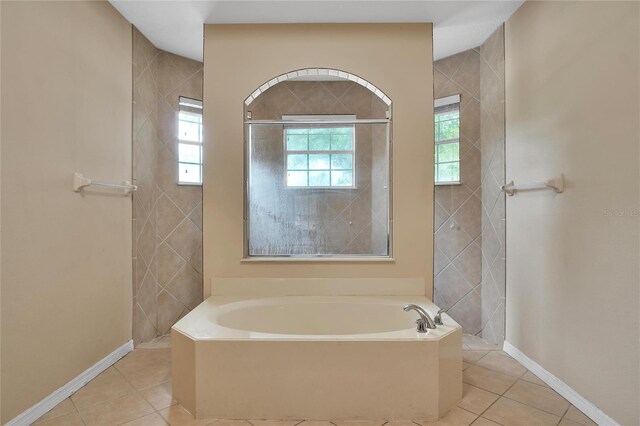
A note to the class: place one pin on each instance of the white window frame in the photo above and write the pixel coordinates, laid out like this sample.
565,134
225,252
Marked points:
445,102
320,118
191,107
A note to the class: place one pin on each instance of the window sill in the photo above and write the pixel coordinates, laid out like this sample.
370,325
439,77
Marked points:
188,184
355,259
447,183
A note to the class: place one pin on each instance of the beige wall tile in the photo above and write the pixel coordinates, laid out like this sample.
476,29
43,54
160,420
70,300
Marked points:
460,74
492,174
170,310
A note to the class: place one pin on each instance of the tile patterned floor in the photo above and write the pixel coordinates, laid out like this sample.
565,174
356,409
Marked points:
137,391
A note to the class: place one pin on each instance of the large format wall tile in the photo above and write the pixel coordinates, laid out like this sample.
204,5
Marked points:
458,225
492,176
167,251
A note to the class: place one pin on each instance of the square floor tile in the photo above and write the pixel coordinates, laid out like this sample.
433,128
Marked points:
473,356
578,416
530,377
153,419
488,379
178,416
65,407
501,363
71,419
159,396
120,410
455,417
475,399
107,385
540,397
508,412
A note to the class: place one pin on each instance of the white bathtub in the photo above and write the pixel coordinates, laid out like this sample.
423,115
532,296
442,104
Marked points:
315,357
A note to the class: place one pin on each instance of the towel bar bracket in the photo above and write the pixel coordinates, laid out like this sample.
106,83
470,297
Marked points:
557,184
80,182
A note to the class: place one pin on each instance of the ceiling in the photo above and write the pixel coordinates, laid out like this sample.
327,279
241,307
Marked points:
176,26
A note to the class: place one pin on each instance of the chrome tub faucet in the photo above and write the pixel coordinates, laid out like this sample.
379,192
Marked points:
425,321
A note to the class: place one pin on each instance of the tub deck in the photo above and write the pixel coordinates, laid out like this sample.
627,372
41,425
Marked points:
275,373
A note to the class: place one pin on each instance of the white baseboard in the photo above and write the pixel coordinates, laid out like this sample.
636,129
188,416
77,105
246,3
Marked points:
582,404
56,397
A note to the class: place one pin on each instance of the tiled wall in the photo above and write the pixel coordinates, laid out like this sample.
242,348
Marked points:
493,175
167,218
457,247
327,221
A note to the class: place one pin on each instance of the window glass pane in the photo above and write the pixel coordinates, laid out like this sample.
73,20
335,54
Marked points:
188,131
341,178
297,178
448,152
189,173
318,161
297,161
447,123
296,142
342,161
342,142
320,131
188,153
344,131
449,172
319,142
319,178
297,131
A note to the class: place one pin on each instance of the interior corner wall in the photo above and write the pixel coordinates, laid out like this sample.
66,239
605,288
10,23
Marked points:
492,104
457,248
572,107
167,217
66,257
397,58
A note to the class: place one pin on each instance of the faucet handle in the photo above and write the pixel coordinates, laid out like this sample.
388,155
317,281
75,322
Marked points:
438,318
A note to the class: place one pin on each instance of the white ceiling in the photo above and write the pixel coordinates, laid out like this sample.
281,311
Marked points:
176,26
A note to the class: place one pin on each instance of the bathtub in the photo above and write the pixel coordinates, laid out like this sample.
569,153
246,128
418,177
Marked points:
315,358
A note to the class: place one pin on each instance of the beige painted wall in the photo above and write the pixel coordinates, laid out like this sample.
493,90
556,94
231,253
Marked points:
572,106
394,57
66,258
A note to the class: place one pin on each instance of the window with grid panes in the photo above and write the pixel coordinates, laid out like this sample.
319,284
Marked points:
320,155
447,140
190,142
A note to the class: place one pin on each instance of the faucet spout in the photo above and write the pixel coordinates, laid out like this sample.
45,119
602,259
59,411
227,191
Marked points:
425,321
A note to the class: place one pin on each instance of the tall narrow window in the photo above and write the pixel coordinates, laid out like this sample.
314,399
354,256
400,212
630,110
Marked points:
190,142
320,155
447,138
